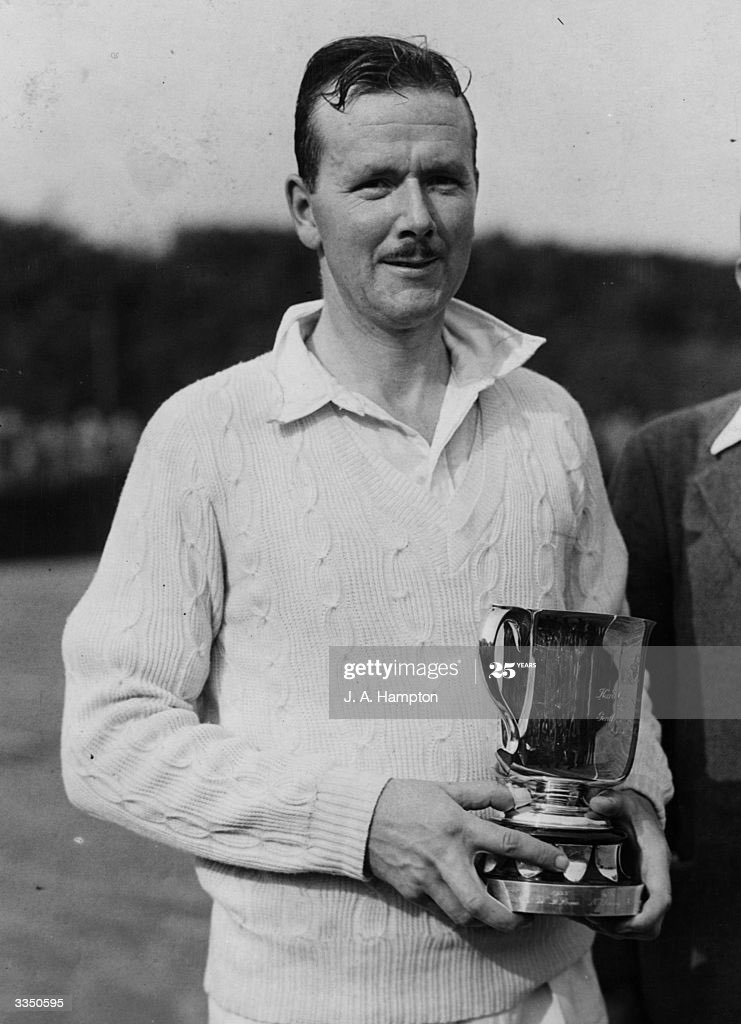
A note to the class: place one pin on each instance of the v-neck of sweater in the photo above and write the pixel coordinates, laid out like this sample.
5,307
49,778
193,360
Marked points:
409,508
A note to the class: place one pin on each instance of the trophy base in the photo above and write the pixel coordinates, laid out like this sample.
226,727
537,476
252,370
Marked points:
574,900
532,817
600,880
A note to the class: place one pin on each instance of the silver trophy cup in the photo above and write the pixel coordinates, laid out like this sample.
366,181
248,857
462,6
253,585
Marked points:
567,687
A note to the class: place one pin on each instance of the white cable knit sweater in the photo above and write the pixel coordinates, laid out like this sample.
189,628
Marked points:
197,675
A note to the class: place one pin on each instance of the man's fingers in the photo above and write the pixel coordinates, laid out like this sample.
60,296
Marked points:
609,926
646,924
424,844
455,892
488,837
638,816
607,805
464,898
475,796
643,926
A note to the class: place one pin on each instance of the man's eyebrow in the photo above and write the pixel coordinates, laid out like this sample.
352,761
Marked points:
374,165
452,164
435,165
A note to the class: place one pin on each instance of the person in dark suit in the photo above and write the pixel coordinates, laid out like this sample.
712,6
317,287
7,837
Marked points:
676,495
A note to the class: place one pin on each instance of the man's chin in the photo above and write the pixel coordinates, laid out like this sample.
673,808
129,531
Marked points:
415,307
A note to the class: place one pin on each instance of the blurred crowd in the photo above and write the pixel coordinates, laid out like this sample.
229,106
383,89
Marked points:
43,452
37,452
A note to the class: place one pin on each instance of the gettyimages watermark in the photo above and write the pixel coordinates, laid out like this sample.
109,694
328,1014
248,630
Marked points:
404,682
431,682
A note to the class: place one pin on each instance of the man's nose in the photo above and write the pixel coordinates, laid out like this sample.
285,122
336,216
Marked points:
415,213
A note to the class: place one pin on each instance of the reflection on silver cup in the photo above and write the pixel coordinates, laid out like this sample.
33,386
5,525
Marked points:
605,857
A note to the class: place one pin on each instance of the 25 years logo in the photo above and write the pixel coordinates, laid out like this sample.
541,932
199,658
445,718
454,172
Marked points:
502,669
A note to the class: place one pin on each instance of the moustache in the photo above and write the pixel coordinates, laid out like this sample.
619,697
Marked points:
415,251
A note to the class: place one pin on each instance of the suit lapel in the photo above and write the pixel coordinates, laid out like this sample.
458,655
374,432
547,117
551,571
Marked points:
715,490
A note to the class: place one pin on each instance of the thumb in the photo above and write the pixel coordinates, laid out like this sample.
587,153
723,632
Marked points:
474,796
606,803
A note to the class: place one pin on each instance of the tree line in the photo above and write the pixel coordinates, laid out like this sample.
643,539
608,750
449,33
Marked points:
93,339
83,327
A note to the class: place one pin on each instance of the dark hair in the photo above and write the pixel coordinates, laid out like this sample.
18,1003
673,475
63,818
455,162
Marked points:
358,65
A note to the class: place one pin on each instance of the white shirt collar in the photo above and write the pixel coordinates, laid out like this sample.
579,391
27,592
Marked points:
481,347
729,435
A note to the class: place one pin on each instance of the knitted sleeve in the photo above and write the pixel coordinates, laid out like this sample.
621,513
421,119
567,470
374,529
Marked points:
598,580
137,650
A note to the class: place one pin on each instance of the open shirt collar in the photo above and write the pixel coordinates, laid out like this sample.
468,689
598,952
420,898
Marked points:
729,435
482,348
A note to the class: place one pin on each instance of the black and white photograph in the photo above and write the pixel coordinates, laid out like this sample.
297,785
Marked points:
370,512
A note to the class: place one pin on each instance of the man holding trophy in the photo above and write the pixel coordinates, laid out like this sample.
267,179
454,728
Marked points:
386,475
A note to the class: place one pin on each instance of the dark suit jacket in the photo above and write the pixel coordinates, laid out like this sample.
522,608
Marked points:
679,509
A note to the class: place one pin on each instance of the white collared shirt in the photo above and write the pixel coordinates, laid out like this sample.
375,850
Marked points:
729,435
439,465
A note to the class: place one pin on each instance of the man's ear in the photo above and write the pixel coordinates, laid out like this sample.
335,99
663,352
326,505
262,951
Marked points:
302,214
738,272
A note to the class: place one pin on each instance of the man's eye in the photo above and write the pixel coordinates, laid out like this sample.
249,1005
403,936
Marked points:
375,185
444,183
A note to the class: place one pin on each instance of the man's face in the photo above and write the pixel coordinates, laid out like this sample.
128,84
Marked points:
393,206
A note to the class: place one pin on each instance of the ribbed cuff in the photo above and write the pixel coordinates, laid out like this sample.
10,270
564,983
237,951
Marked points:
343,810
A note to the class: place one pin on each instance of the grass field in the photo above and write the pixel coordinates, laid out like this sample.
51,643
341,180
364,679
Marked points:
113,923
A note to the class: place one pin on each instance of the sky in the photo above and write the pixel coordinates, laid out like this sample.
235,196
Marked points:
602,123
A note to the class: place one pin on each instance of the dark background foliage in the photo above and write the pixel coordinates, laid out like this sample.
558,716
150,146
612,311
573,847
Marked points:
93,340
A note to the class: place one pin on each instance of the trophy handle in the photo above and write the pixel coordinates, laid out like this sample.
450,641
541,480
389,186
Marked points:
492,636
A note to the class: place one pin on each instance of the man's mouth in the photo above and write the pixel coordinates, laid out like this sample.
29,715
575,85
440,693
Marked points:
411,261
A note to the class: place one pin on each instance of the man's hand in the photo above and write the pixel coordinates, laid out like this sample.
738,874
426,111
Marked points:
423,843
636,814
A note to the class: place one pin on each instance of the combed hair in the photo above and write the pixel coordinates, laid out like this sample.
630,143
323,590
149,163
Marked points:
357,65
